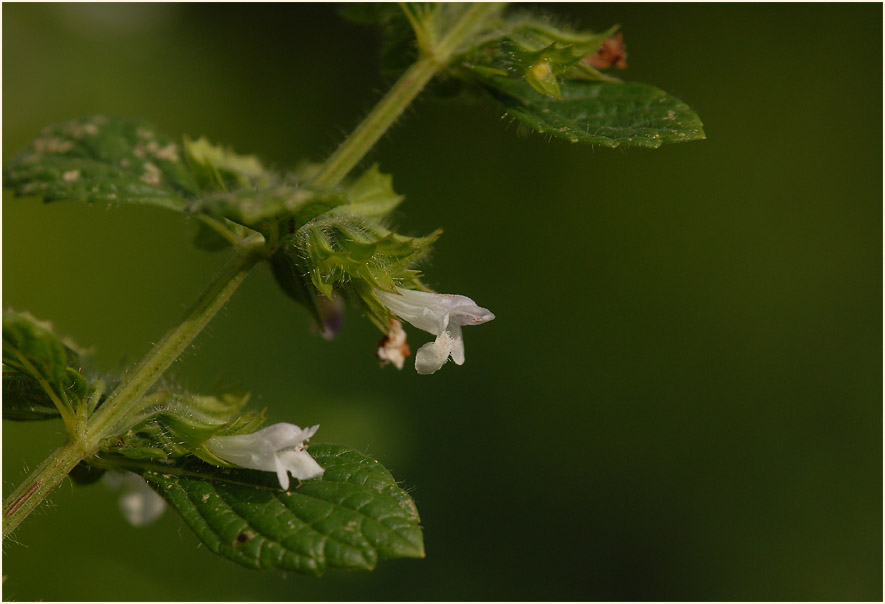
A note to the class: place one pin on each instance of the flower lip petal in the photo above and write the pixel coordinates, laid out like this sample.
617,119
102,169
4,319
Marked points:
456,344
442,315
300,464
431,357
278,448
282,475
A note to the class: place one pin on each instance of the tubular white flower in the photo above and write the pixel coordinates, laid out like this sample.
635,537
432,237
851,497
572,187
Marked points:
443,315
278,448
140,504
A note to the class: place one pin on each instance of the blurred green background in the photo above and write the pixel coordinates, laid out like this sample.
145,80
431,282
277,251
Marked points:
680,397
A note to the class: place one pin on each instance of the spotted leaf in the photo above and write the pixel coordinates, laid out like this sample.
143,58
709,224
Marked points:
98,159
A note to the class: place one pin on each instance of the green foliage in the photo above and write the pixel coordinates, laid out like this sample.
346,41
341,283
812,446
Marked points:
317,239
350,518
600,113
530,48
372,195
97,159
320,241
538,71
41,376
24,399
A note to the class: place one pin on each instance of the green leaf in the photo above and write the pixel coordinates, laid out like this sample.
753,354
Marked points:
602,113
35,358
372,195
24,399
350,518
98,159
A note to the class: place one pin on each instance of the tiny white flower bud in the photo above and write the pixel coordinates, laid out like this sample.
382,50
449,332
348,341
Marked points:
278,448
443,315
140,504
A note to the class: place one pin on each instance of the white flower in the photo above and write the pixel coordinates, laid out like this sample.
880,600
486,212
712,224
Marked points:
278,448
139,503
440,314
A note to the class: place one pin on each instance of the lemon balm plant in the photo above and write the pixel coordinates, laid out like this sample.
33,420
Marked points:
264,496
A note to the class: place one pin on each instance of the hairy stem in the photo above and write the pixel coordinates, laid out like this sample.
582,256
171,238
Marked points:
404,91
52,471
168,349
39,484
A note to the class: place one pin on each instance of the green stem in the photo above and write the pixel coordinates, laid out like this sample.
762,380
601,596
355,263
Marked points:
39,484
167,350
52,471
386,112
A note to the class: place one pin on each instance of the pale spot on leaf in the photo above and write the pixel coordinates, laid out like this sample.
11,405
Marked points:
151,174
168,153
52,145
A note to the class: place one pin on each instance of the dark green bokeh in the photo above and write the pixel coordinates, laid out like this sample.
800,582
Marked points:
680,397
